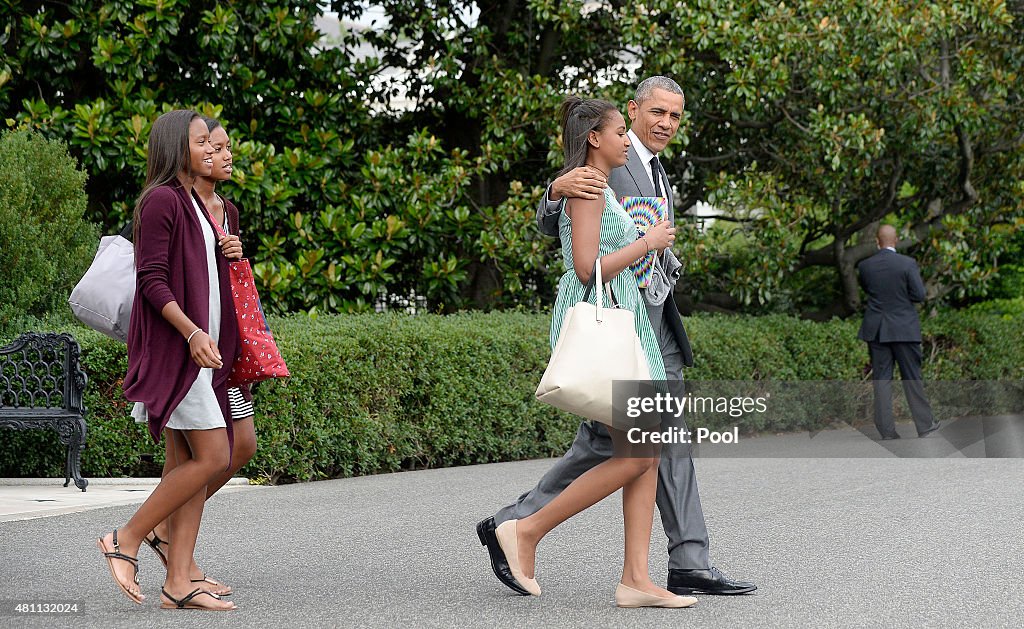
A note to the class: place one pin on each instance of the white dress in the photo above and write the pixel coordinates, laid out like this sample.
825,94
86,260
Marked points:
199,409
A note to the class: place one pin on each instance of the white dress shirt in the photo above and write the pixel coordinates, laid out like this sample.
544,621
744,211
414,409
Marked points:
645,156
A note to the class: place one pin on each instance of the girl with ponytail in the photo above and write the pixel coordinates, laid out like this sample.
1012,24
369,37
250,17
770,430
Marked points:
594,134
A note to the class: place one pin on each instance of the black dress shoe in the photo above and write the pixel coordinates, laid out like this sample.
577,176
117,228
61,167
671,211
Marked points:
890,437
710,581
934,427
499,564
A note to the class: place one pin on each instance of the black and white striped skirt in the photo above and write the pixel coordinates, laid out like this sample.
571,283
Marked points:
240,407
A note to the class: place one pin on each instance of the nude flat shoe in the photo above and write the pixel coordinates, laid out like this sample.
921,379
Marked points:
626,596
506,534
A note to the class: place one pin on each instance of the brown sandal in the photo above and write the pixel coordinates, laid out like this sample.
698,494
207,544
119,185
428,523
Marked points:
185,602
154,542
137,597
216,584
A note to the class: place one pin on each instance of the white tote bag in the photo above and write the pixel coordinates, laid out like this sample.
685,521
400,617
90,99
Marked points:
596,346
103,298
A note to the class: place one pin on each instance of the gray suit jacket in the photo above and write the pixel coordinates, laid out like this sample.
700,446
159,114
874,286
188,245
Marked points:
630,180
893,284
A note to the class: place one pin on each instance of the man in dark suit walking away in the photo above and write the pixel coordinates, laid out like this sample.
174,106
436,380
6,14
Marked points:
892,331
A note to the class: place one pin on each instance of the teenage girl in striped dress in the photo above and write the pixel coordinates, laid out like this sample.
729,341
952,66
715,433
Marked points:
594,134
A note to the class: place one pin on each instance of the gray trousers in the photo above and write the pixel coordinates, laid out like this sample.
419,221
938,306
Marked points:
677,497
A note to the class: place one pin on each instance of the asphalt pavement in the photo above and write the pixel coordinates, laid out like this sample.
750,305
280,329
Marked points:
864,540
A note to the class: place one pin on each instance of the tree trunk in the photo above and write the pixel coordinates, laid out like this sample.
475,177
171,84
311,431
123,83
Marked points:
481,286
846,263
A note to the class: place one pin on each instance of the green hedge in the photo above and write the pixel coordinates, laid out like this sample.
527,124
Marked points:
45,244
381,393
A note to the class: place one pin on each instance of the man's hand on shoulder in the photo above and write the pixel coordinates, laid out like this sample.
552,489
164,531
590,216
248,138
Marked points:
585,182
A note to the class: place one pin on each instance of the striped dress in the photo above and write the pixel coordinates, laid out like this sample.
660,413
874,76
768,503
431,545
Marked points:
617,231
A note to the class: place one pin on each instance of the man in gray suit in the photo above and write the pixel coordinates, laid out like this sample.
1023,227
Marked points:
655,114
892,330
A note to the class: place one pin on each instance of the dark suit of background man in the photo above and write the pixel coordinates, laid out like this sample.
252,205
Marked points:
654,114
893,331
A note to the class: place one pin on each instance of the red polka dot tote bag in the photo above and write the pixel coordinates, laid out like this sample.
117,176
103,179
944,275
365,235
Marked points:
260,359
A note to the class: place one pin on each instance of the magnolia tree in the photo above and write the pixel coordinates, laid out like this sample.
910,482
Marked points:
812,122
400,157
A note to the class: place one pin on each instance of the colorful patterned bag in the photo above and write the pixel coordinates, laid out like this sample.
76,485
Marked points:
645,212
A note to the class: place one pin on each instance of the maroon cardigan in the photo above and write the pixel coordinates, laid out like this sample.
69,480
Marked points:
170,260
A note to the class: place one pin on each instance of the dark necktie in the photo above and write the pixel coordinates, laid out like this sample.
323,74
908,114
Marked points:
659,191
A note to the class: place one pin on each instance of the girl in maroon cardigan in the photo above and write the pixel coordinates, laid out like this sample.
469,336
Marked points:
179,356
224,214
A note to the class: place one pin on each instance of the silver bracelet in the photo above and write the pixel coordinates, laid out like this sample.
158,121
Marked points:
194,332
644,238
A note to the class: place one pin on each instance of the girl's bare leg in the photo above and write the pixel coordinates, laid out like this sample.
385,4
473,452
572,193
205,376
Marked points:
242,451
637,517
593,486
209,455
190,447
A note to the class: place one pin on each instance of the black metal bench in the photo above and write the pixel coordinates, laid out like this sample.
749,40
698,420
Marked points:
41,386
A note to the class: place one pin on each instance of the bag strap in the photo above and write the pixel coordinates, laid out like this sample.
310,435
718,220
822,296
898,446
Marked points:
595,273
227,216
218,228
127,232
595,278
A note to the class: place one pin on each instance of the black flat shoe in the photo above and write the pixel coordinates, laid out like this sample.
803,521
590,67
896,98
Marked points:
499,564
710,581
889,437
934,427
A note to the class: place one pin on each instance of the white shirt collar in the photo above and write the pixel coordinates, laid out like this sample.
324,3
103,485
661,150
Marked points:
643,153
893,249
